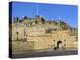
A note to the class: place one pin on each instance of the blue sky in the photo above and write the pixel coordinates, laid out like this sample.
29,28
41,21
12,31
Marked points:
67,13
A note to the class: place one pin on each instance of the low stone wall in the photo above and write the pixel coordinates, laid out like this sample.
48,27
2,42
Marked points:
22,46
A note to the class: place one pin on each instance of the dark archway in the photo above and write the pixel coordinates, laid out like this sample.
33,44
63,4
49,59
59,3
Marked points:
58,43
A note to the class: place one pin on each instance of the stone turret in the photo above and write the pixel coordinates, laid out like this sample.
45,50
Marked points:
39,20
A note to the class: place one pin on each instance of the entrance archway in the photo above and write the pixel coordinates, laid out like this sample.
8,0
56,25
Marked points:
59,44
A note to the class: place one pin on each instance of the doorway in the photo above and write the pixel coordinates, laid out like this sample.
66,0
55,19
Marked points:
59,44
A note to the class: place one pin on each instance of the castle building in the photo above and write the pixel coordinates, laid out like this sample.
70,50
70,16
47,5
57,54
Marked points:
37,34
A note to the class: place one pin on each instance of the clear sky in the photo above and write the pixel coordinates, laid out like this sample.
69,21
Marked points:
67,13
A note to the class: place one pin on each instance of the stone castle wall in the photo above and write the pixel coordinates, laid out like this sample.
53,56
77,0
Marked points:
35,37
